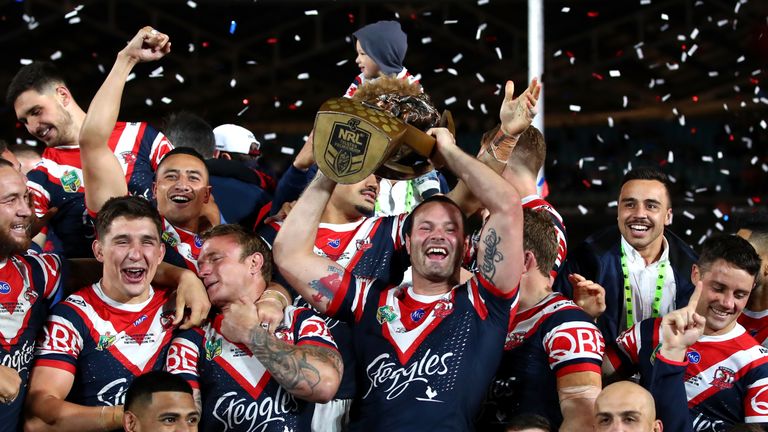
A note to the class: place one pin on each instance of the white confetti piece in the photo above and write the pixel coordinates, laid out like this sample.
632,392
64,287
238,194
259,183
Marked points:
639,52
717,213
191,47
674,111
665,17
574,108
719,226
449,22
70,14
764,167
469,105
180,78
700,190
483,108
482,2
457,58
452,71
450,100
740,59
298,103
681,38
166,100
614,73
610,121
480,29
55,56
498,52
713,74
693,49
297,38
763,124
342,62
277,104
747,141
310,12
722,22
624,101
101,68
245,108
131,76
232,83
157,73
672,179
673,66
688,232
639,153
148,101
191,4
583,210
694,33
557,53
303,76
719,155
597,182
725,172
565,9
754,160
480,77
270,136
600,138
74,20
688,214
287,150
645,2
426,40
707,159
613,203
681,120
666,97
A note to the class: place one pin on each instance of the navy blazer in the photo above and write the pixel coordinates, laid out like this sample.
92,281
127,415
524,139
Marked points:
598,258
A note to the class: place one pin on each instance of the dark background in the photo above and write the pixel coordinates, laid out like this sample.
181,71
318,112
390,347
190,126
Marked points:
700,98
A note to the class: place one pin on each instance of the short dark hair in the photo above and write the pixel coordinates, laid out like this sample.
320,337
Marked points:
250,242
185,151
141,389
649,173
527,421
540,237
23,149
38,76
408,223
129,207
185,129
733,249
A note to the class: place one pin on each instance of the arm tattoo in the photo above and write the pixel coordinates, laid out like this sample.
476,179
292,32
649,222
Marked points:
491,255
326,287
293,367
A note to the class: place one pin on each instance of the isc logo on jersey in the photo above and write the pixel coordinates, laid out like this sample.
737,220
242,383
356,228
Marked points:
574,340
4,287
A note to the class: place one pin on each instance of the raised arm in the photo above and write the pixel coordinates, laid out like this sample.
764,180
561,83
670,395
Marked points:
316,278
500,251
515,115
101,169
310,372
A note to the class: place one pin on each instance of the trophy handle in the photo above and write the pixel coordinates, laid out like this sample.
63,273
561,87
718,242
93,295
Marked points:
420,142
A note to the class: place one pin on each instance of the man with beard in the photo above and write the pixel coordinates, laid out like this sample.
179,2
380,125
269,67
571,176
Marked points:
45,106
644,267
726,376
446,337
28,284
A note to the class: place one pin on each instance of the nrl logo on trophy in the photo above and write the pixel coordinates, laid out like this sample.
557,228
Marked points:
347,147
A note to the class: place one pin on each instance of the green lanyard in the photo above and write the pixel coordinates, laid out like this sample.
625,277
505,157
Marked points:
408,198
628,289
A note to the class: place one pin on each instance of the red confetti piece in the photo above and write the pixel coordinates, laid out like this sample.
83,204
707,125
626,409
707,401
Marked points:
245,101
731,137
597,75
351,18
272,40
756,199
586,183
292,107
593,14
754,81
695,98
663,162
569,54
693,131
683,47
205,44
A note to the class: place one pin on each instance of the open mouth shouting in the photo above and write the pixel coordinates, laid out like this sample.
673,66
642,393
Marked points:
437,253
639,229
133,275
180,199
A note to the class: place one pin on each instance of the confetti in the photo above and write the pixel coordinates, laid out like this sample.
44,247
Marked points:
706,159
341,62
688,214
469,105
157,73
232,83
565,9
191,4
166,100
483,109
480,77
232,27
303,76
450,100
719,226
482,2
583,210
287,150
457,58
70,14
270,136
614,73
670,157
74,20
557,53
665,17
131,76
613,203
449,22
180,78
610,121
243,110
148,101
480,29
574,108
55,56
426,40
310,12
452,71
597,182
498,52
625,101
694,33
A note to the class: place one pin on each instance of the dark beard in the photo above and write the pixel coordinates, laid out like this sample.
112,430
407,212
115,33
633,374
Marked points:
365,212
10,246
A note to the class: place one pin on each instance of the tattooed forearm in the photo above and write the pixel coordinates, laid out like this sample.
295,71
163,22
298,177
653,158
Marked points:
296,369
491,256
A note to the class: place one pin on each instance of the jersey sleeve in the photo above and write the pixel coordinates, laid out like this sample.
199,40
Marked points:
756,398
667,386
62,340
159,148
624,355
574,345
489,301
41,199
51,271
312,330
349,300
352,89
184,355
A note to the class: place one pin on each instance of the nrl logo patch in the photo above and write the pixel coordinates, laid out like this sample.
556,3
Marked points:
347,147
212,349
70,181
169,239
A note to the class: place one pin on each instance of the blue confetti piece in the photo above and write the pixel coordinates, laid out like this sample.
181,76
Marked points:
232,27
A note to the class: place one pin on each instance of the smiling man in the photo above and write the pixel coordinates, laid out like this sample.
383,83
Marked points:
44,104
160,402
726,376
644,267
